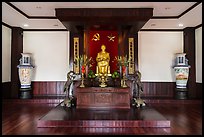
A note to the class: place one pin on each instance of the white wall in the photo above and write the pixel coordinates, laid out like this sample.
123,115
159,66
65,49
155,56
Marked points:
6,54
156,54
50,54
198,39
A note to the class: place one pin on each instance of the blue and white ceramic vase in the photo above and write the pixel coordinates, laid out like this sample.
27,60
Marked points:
181,70
25,71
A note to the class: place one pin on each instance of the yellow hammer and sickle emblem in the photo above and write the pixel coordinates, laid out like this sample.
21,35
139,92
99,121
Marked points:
96,37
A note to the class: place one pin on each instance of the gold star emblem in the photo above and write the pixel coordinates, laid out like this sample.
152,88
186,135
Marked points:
111,38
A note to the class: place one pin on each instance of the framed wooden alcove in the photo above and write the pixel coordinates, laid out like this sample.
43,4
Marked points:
123,22
126,21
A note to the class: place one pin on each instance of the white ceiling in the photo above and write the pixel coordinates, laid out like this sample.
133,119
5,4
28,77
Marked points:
12,17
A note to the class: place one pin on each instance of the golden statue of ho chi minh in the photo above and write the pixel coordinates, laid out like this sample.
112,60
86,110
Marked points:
103,59
103,68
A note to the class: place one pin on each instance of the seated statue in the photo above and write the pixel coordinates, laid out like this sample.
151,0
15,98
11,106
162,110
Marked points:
103,59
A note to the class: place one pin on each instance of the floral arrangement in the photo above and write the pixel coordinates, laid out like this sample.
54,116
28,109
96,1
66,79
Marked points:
83,61
122,60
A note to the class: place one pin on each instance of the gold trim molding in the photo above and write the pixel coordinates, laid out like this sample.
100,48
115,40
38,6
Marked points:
76,54
131,56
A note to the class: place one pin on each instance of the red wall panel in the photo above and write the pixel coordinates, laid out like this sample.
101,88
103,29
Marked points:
111,46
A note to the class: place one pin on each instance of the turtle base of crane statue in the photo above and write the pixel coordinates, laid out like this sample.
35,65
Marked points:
69,102
138,102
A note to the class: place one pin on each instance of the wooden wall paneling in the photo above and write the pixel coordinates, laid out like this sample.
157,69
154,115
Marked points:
46,89
56,89
60,87
6,90
150,89
52,87
16,50
35,88
189,49
199,90
158,89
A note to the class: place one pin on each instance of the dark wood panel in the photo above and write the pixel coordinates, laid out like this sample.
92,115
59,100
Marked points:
133,117
150,89
149,101
16,50
199,90
104,14
186,119
106,98
75,17
189,49
158,89
48,88
6,89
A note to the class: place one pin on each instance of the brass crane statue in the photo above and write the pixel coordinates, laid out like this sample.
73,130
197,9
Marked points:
68,88
137,90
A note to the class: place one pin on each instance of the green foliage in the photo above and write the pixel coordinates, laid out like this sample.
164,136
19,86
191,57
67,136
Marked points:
115,74
91,74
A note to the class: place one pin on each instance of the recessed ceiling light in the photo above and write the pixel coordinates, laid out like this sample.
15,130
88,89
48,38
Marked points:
25,25
38,7
167,8
180,25
153,24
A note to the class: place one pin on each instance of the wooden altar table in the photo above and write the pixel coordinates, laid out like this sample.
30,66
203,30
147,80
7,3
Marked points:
108,97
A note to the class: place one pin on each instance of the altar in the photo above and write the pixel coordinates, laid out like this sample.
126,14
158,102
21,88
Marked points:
104,56
103,62
103,98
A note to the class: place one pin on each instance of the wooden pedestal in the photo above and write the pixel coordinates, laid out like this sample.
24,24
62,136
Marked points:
108,97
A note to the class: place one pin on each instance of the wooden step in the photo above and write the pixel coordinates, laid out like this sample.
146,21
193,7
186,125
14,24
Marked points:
61,116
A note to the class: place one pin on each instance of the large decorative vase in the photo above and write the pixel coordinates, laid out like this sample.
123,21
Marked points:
25,70
181,73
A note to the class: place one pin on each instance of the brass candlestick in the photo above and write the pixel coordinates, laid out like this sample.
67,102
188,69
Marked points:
123,81
82,80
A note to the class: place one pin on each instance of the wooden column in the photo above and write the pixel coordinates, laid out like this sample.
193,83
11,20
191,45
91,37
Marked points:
16,50
189,49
